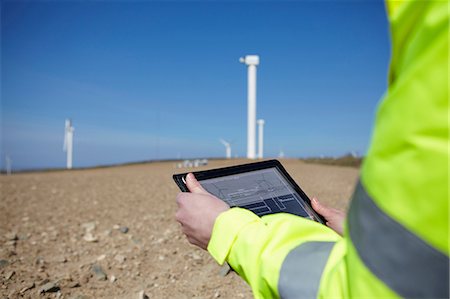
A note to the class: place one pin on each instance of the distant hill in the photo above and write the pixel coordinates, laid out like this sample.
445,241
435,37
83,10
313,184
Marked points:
347,160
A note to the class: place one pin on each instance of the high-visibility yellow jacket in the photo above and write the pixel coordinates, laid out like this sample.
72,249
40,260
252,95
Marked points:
396,236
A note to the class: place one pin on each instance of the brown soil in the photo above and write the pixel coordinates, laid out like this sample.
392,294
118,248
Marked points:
54,226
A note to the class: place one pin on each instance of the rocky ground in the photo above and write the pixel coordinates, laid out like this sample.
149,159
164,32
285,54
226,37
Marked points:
111,233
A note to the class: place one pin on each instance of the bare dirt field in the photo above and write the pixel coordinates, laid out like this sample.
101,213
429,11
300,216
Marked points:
111,233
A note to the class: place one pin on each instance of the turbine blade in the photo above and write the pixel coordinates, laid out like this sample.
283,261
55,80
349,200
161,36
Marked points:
224,142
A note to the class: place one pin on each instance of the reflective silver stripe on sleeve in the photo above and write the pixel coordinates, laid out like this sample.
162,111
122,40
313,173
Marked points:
302,269
399,258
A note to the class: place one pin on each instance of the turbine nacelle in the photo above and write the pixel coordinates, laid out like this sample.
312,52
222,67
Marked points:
250,60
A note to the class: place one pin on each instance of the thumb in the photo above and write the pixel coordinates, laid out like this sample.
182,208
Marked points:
320,208
193,185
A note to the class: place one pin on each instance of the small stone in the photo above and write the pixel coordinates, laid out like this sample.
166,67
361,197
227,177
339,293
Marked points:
123,229
116,226
88,237
112,278
3,263
98,272
225,270
23,237
39,261
61,259
85,278
74,284
46,280
142,295
49,287
120,258
101,257
196,257
26,288
216,294
9,275
89,226
12,236
11,243
160,241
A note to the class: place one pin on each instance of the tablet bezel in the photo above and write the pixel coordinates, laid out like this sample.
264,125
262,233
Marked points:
237,169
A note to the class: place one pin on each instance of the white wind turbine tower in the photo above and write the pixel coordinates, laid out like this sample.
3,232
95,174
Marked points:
8,165
251,61
260,138
227,148
68,142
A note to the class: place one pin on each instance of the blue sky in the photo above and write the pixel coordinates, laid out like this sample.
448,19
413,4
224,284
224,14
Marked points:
156,80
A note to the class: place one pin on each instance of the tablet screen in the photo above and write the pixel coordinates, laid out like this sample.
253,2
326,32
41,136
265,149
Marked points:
264,191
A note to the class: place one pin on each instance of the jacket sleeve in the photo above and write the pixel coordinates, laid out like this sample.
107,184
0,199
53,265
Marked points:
257,247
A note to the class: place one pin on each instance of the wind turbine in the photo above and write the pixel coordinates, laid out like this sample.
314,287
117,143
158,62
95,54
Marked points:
251,61
227,148
8,165
68,142
260,138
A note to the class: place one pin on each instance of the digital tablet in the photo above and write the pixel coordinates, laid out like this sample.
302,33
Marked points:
262,187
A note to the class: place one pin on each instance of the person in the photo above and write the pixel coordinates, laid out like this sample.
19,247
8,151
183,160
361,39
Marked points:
395,238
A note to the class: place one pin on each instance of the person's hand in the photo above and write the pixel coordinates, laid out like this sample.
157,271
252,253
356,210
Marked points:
197,212
335,218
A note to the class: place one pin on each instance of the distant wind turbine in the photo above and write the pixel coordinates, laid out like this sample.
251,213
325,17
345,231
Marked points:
68,142
8,165
227,148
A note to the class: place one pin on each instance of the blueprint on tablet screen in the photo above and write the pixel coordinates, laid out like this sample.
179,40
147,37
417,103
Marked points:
264,191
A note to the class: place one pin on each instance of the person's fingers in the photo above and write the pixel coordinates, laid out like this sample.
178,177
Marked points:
193,185
319,208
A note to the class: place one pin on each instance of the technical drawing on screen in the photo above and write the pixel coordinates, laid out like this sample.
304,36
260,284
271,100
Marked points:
264,191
